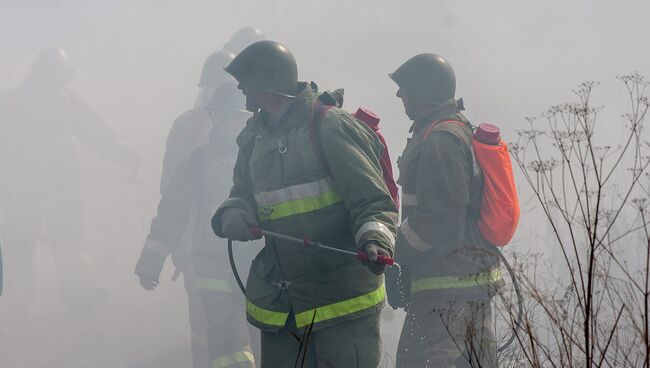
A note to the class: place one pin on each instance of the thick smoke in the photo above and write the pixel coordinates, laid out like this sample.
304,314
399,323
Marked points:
137,66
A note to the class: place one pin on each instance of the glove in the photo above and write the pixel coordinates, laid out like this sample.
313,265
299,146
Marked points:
235,224
373,249
148,269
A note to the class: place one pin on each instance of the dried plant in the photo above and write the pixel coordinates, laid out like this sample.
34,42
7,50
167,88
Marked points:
592,310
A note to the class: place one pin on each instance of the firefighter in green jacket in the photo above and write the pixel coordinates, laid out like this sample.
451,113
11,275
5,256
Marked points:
453,272
281,185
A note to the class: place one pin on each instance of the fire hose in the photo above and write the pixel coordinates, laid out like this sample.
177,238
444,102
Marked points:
363,257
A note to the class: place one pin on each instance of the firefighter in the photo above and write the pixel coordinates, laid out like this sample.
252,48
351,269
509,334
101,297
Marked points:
280,184
40,122
199,182
188,132
450,272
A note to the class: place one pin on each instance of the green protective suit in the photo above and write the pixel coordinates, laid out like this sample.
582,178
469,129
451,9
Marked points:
453,271
279,179
439,242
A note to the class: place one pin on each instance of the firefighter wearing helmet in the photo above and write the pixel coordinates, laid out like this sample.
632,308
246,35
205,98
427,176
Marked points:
449,273
194,191
40,123
189,131
280,184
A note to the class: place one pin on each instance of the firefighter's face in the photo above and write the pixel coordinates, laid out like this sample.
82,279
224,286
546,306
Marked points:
415,107
410,104
258,99
254,97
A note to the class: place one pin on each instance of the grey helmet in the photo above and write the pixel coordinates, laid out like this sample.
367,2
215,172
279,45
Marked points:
426,76
268,66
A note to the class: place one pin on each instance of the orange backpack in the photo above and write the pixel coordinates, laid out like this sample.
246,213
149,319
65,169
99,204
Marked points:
499,209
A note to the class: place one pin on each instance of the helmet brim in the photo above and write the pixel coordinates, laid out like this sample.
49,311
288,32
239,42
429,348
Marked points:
234,75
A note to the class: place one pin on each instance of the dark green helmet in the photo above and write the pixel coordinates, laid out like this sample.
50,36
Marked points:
242,39
266,65
212,71
426,76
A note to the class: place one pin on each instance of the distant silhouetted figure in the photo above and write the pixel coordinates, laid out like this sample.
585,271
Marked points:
39,122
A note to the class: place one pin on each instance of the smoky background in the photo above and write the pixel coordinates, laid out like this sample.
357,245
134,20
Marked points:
138,63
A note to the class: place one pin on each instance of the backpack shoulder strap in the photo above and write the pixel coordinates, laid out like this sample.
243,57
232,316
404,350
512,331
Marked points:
437,122
474,164
476,179
314,132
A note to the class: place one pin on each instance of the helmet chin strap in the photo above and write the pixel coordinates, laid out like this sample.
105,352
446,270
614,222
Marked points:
253,109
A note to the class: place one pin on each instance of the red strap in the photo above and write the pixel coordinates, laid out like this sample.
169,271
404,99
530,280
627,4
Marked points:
436,122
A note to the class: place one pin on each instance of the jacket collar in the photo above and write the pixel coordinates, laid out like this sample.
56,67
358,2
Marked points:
443,110
300,112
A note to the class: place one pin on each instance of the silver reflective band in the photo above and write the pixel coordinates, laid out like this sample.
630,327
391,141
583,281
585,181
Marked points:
374,226
299,191
409,199
412,238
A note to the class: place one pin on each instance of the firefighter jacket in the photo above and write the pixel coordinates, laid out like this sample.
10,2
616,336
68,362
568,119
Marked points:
438,241
278,178
189,131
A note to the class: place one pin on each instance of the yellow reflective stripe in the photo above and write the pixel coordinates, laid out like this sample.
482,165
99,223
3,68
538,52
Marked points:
456,282
234,358
297,191
204,283
340,309
298,206
265,316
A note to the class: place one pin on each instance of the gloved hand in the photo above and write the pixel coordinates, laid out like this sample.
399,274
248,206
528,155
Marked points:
148,269
374,250
235,223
